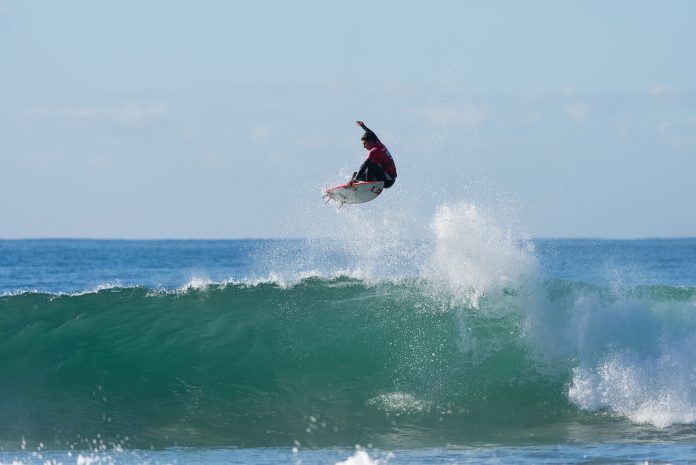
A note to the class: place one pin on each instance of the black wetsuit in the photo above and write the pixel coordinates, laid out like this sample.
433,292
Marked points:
370,171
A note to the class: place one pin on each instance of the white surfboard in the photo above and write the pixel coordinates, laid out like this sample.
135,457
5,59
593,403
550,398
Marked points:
357,192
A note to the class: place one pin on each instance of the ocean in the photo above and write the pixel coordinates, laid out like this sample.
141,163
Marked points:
473,344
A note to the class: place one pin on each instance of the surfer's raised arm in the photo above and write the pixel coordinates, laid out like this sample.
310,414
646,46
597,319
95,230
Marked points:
366,129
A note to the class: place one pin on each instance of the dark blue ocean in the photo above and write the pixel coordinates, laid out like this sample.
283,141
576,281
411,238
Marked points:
473,345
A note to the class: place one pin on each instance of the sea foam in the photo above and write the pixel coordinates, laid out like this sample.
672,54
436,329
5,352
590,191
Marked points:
477,254
629,355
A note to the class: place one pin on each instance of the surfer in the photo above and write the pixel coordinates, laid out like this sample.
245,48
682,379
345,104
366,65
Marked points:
379,164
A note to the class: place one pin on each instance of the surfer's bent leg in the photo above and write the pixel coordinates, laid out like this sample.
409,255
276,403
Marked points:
374,172
362,172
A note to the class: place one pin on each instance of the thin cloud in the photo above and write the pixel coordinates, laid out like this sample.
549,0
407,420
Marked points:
578,112
4,12
681,133
311,142
394,88
260,134
454,116
659,90
132,114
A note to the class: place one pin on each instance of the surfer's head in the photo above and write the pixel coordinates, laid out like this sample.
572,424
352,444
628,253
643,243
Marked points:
369,139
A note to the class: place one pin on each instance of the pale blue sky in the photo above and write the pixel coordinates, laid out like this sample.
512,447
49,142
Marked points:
224,119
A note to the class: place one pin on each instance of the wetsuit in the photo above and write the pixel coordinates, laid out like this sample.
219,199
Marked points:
379,166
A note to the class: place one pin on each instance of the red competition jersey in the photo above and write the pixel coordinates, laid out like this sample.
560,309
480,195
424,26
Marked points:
380,155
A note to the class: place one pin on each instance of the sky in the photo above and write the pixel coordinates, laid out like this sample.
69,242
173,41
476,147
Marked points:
226,119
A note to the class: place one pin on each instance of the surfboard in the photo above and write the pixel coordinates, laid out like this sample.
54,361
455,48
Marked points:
358,192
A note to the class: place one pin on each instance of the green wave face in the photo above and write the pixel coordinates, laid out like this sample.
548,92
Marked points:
323,362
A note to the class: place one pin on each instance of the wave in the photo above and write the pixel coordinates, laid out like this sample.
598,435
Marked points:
341,360
393,341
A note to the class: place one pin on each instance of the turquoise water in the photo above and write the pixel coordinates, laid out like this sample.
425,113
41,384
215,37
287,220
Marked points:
337,362
453,350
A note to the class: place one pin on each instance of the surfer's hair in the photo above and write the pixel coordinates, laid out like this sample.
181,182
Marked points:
369,136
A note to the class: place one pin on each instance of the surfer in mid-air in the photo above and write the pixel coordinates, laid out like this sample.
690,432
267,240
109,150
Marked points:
379,165
378,172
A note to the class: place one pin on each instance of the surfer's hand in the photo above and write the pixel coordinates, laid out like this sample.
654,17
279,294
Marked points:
361,124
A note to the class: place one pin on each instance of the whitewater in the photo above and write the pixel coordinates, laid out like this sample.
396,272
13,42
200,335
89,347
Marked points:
467,343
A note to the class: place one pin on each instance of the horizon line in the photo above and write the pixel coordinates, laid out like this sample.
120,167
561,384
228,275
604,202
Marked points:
221,239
